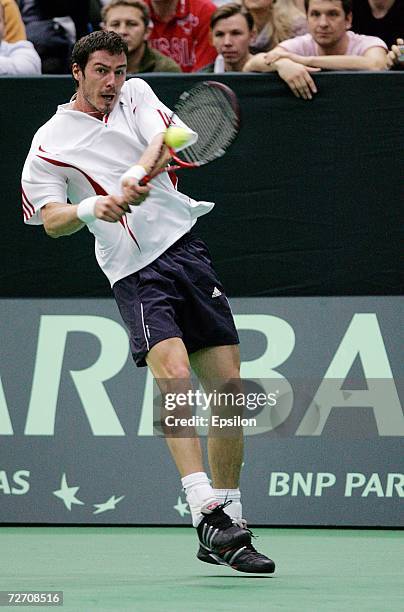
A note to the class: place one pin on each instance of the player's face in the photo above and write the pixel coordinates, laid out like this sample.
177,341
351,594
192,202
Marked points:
327,22
101,83
231,37
127,22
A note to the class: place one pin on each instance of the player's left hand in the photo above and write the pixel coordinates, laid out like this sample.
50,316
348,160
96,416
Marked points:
134,193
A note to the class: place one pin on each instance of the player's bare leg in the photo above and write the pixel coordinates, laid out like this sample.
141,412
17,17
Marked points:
221,365
215,365
168,361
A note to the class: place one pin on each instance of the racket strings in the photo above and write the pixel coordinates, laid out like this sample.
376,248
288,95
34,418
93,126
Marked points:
210,113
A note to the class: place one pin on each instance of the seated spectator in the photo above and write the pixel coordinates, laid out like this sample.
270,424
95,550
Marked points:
395,57
329,45
382,18
293,13
131,19
14,25
19,57
181,31
53,26
274,22
231,29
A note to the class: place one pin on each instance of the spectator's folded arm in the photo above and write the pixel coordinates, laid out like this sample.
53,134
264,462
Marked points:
374,58
257,63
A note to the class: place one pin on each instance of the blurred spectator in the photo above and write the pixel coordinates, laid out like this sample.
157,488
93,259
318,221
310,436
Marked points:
19,57
329,45
382,18
131,19
231,29
293,13
14,25
395,57
181,31
53,26
94,14
274,22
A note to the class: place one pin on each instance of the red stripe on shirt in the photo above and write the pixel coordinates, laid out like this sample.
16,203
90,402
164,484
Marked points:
124,222
28,204
173,178
97,188
165,117
26,214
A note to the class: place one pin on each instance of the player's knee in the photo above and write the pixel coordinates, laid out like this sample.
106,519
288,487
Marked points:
175,370
179,371
174,379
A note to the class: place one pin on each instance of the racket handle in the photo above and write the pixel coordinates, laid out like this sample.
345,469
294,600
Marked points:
146,179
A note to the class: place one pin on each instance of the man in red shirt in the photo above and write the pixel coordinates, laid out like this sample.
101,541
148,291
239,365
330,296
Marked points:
181,31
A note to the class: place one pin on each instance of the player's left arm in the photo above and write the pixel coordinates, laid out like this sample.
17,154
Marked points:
151,121
153,158
374,58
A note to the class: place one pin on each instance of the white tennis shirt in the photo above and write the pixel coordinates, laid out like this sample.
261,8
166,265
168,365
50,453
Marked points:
74,156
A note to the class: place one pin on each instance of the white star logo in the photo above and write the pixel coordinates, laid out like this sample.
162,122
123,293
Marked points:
67,494
181,508
110,504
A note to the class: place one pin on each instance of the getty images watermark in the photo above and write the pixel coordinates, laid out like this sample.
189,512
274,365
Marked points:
182,409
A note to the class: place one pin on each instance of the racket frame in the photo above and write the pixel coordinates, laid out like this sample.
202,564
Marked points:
231,96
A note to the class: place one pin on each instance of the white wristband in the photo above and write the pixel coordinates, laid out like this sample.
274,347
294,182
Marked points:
86,208
137,172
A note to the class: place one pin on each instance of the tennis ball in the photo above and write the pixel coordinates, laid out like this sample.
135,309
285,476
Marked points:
176,137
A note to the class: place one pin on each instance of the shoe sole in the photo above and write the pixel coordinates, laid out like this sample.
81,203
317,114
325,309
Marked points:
213,559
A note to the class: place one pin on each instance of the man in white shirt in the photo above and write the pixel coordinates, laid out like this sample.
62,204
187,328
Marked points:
329,45
168,294
19,57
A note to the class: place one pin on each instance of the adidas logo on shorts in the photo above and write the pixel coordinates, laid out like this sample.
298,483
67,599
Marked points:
216,292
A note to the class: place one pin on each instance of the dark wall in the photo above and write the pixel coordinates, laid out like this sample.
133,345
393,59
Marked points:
308,199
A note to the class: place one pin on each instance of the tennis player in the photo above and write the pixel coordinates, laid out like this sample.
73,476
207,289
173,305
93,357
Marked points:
170,298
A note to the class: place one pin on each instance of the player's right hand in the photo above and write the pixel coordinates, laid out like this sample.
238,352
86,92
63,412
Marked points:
111,208
134,193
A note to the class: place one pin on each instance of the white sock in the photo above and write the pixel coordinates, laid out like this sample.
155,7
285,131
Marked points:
234,510
199,492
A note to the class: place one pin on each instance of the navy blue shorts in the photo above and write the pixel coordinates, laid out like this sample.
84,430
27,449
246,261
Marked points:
176,296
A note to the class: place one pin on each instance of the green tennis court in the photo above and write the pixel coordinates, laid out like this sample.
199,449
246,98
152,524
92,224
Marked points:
155,569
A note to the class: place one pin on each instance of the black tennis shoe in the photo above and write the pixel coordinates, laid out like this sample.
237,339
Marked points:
217,531
241,558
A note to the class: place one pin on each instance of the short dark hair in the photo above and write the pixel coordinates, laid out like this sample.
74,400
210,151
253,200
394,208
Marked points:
346,5
228,10
137,4
97,41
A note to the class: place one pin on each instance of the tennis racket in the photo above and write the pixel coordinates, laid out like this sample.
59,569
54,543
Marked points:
211,110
